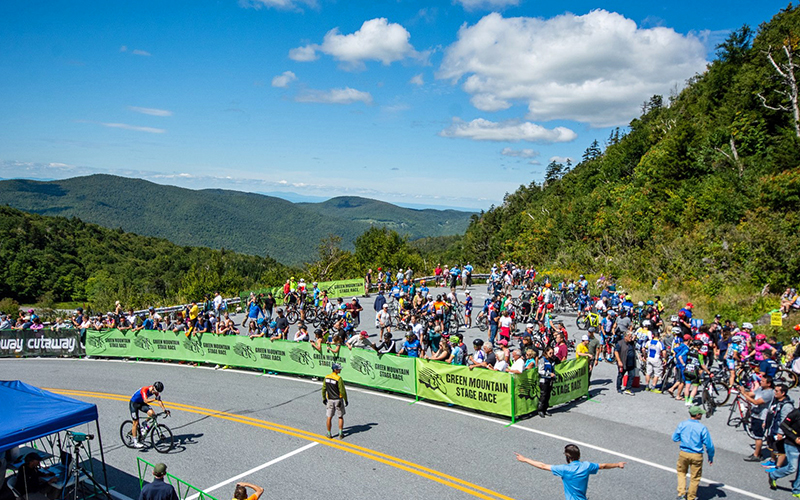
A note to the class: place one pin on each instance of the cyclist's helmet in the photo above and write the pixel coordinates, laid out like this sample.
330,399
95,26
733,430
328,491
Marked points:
697,343
674,319
650,303
797,328
747,326
737,339
158,386
676,330
318,331
646,323
761,336
641,304
422,282
582,276
343,307
439,297
477,343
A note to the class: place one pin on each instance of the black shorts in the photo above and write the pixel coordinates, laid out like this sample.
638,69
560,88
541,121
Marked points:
135,408
757,428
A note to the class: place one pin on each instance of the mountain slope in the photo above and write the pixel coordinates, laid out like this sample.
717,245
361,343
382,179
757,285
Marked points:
216,218
703,189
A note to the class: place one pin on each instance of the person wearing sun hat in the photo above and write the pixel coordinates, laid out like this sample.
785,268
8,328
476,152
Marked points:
693,437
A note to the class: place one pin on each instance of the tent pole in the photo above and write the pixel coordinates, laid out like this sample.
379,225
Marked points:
102,455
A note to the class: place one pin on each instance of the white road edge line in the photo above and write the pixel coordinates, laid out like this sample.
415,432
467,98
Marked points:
255,469
504,423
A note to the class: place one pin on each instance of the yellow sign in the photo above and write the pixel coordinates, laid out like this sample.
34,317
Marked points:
776,319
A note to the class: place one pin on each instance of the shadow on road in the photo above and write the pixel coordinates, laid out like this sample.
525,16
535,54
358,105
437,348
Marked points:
355,429
705,492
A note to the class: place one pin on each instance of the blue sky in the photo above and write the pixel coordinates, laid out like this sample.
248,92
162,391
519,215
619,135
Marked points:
425,103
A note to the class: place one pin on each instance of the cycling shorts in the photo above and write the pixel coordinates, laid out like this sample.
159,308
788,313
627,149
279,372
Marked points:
731,363
135,408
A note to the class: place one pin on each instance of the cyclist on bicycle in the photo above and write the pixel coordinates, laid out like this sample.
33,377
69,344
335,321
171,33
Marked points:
140,401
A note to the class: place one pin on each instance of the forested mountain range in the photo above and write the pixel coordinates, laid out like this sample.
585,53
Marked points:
244,222
52,259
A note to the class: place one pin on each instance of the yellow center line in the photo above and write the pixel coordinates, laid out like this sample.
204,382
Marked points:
433,475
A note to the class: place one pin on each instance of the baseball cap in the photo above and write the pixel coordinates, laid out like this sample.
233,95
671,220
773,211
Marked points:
364,333
336,367
687,337
761,336
585,337
386,306
503,342
689,305
160,469
696,410
466,293
530,325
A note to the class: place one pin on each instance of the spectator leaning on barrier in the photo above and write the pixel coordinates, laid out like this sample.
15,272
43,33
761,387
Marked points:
693,437
574,474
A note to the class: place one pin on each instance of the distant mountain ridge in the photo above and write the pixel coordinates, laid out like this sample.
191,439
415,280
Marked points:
245,222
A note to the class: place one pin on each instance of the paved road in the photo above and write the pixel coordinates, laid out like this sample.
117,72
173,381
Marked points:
395,448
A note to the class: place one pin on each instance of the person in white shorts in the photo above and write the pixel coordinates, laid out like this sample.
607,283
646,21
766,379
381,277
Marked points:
654,350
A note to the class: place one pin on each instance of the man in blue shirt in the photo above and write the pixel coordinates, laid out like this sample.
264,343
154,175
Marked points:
575,474
693,436
158,489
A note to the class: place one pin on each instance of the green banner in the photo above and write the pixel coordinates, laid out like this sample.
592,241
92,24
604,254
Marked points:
336,289
360,366
481,389
572,382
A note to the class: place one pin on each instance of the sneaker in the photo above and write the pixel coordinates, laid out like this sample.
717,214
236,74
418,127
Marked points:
688,402
626,391
796,495
137,444
225,367
329,435
655,391
341,435
770,469
216,367
768,463
751,458
773,485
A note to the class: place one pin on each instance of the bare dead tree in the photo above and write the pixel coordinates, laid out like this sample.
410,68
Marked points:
733,157
786,74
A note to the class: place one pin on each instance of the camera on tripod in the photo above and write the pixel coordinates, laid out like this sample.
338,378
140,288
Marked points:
80,437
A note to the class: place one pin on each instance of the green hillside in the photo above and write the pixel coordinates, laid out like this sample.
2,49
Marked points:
415,223
248,223
703,188
55,259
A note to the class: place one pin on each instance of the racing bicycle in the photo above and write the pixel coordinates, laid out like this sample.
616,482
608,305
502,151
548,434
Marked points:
160,435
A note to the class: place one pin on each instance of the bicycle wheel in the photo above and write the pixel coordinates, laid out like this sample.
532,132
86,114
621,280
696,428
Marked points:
292,316
482,326
734,417
718,391
311,315
784,376
581,323
161,438
125,433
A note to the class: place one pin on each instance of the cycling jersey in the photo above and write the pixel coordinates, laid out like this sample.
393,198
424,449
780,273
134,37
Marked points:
760,349
693,361
654,349
458,356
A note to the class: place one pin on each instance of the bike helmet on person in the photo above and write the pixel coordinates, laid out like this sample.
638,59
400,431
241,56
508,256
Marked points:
158,386
697,343
737,339
747,326
477,343
646,323
581,276
676,330
640,304
650,303
439,297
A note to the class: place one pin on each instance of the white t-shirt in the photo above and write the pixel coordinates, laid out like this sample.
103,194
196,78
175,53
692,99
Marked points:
217,301
505,321
518,365
417,329
654,348
501,366
383,318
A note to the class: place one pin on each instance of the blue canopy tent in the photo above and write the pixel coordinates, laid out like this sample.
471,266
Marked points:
30,413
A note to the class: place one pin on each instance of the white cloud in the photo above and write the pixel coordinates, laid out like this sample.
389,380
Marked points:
417,80
141,52
395,108
376,40
560,159
124,48
125,126
151,111
304,54
486,4
519,153
534,162
278,4
335,96
597,68
284,79
510,131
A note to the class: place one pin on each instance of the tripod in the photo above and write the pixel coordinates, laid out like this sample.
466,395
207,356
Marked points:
75,470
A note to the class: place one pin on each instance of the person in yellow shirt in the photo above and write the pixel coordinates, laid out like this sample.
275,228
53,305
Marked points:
194,311
240,493
334,397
